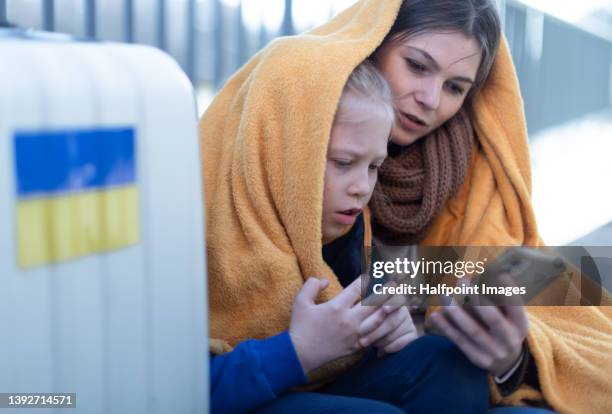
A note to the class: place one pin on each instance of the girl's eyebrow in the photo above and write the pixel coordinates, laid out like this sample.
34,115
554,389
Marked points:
435,65
352,152
346,151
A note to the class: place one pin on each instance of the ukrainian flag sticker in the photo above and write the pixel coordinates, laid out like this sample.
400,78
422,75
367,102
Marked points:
76,193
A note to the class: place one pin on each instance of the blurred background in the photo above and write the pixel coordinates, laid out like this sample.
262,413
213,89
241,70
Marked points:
562,51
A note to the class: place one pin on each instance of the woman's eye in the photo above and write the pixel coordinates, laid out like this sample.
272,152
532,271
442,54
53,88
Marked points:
375,167
416,66
456,89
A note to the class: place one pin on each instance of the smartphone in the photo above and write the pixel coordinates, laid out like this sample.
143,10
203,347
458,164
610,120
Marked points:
523,267
518,267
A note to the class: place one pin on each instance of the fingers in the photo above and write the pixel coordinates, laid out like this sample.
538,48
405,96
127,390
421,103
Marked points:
479,358
350,295
400,343
495,349
373,321
388,302
372,315
310,290
518,317
472,330
390,323
504,333
375,313
508,329
406,327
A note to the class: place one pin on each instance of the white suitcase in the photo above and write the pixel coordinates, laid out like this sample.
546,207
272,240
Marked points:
102,267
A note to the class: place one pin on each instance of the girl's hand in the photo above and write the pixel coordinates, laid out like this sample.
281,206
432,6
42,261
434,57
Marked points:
496,344
389,329
327,331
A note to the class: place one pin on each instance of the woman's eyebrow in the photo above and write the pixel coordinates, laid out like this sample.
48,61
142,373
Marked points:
435,65
427,57
463,79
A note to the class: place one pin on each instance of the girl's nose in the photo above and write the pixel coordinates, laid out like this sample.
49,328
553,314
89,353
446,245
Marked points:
360,186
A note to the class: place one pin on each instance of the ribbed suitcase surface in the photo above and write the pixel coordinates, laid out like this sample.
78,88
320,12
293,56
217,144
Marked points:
102,267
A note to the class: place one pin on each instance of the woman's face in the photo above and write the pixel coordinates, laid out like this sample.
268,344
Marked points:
430,75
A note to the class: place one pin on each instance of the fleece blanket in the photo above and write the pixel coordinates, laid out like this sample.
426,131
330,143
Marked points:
263,143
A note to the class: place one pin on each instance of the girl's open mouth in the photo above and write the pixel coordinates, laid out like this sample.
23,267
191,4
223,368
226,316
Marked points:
347,217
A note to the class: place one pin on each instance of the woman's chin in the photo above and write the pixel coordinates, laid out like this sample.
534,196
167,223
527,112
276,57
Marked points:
401,137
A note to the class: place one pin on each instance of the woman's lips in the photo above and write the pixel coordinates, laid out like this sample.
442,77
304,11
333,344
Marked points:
410,122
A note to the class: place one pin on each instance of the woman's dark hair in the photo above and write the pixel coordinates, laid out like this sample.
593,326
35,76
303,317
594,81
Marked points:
473,18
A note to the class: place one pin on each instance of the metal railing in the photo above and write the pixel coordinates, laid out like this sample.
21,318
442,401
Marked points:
214,41
2,12
564,72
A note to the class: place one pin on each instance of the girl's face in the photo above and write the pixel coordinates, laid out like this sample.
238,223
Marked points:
430,75
354,154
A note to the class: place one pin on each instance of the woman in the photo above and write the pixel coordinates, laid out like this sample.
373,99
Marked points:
261,250
446,184
437,55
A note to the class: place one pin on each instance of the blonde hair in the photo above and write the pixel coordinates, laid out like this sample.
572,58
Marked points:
369,90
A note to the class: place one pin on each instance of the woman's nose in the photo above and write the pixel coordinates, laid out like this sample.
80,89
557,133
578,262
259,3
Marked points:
429,94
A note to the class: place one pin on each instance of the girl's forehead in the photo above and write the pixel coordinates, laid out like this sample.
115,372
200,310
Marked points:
356,109
367,137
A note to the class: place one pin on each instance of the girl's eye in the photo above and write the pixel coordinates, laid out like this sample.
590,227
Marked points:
342,163
416,66
455,89
375,167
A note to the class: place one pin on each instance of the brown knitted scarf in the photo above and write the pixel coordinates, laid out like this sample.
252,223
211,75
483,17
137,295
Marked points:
415,181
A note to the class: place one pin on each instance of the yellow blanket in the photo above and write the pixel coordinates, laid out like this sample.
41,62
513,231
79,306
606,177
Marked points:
264,140
572,346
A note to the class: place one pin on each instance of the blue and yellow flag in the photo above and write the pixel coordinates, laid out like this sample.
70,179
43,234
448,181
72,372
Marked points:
76,193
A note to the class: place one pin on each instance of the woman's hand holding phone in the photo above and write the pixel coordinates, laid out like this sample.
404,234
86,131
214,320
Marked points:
494,343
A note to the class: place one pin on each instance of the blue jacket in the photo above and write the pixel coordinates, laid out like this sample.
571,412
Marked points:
254,373
258,371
